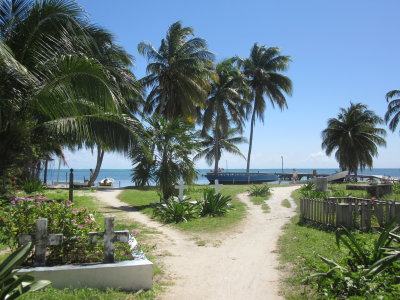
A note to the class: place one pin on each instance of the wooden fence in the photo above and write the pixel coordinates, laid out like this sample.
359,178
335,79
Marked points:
350,212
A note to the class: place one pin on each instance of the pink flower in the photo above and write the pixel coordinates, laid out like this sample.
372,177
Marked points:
75,211
13,202
80,226
73,220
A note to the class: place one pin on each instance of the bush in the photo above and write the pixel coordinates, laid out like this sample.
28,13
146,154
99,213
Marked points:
18,216
175,211
396,188
260,190
369,268
32,186
213,204
313,194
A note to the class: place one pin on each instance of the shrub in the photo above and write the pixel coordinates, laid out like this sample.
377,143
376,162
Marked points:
309,186
12,285
396,188
175,211
213,204
19,215
260,190
367,270
313,194
32,186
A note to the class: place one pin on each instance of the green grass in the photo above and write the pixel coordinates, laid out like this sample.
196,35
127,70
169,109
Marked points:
141,199
265,207
299,248
286,203
93,294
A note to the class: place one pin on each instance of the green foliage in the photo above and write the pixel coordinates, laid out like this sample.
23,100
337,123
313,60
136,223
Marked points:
396,188
12,285
214,204
311,194
354,137
260,190
369,268
167,154
309,186
32,185
175,211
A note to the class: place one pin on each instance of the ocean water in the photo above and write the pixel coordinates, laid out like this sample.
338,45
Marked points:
122,177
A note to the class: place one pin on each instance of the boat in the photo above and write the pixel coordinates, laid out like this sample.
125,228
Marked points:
106,182
240,177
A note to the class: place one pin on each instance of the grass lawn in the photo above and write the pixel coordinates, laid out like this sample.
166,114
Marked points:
141,199
83,198
299,248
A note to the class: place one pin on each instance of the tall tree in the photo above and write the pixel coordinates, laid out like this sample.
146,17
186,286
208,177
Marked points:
262,70
392,116
178,73
227,103
213,145
54,87
354,136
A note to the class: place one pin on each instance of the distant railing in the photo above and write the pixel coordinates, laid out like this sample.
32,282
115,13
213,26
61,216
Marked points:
351,212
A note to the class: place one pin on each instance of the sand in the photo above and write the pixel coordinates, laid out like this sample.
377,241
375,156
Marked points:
237,264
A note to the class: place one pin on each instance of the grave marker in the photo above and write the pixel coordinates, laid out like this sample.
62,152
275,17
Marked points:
181,187
109,237
217,186
41,240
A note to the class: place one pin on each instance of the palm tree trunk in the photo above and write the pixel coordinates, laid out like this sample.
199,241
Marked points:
46,163
100,156
251,140
216,150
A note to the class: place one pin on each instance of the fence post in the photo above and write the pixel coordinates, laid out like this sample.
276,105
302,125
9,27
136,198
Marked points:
71,185
343,215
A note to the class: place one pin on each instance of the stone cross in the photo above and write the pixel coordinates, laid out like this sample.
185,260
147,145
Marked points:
181,187
109,237
41,239
217,186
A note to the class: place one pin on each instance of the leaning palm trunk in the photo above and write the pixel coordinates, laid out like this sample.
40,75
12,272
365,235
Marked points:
216,151
100,156
251,140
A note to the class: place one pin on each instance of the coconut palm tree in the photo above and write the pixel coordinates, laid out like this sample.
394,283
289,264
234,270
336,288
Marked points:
168,155
227,102
213,145
262,70
392,116
178,73
354,136
54,84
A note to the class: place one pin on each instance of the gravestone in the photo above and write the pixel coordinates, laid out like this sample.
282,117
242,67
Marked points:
181,187
217,186
41,240
109,237
321,184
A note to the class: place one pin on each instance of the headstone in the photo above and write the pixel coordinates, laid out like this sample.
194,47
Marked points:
321,184
41,240
217,186
109,237
181,187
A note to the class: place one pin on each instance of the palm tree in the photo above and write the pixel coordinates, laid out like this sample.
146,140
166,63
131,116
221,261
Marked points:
178,73
227,102
213,145
354,136
392,115
262,70
168,155
54,85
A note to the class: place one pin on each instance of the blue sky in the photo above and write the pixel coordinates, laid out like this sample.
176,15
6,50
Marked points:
342,51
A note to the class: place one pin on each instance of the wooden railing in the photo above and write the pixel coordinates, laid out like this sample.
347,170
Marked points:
350,212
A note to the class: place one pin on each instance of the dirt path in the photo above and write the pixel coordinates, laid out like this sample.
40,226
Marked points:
239,265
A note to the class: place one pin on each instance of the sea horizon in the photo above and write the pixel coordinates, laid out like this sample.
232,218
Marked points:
122,177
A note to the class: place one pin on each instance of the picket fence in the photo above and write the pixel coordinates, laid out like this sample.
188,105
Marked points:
351,212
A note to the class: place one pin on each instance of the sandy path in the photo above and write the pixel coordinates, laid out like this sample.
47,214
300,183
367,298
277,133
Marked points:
242,264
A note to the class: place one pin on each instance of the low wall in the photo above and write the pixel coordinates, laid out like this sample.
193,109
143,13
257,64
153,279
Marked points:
125,275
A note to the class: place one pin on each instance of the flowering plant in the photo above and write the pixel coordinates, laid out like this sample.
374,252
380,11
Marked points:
19,217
